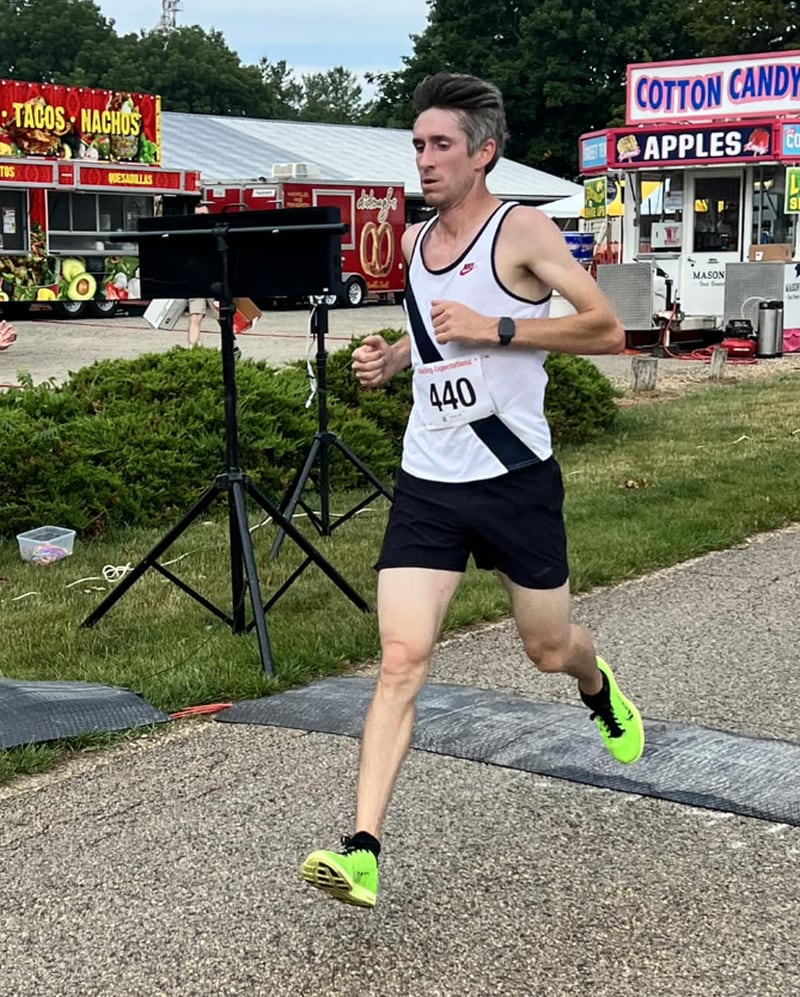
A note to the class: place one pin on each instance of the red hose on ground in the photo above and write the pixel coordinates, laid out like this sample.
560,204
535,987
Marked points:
705,353
197,711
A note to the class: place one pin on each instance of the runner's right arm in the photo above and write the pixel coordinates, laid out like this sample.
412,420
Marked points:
375,362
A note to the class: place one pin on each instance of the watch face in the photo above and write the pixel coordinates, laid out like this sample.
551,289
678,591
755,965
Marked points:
505,330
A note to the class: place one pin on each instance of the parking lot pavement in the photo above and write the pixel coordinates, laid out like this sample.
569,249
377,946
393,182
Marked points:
48,349
51,349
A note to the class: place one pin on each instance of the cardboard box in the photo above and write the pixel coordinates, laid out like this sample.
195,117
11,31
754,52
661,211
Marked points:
778,252
246,316
164,313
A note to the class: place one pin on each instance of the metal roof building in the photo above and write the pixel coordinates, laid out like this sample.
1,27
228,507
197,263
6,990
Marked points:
230,148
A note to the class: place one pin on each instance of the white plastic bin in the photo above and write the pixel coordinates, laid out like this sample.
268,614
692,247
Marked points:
46,544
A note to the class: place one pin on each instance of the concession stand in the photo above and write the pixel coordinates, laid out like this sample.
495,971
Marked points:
708,162
78,166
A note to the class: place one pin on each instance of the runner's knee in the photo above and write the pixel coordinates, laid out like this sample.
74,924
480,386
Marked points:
547,657
404,665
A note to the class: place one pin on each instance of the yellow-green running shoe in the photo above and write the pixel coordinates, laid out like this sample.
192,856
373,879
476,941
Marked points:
618,720
350,875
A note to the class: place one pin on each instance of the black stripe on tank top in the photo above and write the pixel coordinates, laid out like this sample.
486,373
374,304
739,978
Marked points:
507,447
427,349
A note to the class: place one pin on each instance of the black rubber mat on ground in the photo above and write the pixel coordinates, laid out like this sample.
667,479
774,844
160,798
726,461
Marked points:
34,712
699,766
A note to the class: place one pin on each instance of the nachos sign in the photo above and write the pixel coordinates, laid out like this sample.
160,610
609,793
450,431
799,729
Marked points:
60,122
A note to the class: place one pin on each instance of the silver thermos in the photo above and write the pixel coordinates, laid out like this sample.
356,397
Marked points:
770,329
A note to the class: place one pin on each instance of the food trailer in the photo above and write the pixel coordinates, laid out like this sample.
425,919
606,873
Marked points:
718,141
375,216
77,166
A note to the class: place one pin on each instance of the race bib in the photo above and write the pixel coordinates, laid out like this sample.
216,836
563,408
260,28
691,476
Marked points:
452,392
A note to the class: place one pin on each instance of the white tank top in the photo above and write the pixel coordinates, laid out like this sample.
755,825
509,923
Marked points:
478,412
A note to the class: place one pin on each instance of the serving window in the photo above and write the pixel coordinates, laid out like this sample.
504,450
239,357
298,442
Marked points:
84,223
717,213
660,198
13,221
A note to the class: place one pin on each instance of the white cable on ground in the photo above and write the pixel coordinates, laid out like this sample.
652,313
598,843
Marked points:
113,573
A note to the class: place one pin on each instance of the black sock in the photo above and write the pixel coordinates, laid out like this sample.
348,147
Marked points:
599,698
364,840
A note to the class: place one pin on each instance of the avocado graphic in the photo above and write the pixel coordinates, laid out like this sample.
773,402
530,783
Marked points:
45,294
82,287
71,268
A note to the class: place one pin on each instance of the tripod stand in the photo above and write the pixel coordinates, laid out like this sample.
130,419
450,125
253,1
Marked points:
323,440
232,481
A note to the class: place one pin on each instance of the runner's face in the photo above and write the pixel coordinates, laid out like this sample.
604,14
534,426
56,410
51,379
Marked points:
447,172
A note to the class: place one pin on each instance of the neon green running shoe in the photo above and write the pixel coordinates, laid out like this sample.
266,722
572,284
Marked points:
618,721
350,875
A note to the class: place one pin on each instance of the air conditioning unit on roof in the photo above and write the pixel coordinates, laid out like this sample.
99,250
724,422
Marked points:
294,171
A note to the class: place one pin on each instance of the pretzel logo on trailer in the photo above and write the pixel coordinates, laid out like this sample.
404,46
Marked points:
377,249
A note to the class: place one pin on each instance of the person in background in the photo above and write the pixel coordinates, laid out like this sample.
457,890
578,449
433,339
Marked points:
197,306
8,334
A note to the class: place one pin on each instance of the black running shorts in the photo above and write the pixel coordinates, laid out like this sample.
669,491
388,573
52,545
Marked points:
512,523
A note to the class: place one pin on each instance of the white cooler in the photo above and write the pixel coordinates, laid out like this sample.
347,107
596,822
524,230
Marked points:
164,313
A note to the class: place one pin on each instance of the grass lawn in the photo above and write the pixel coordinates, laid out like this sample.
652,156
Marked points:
672,481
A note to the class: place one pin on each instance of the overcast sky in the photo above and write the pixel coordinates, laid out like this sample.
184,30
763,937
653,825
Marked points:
310,35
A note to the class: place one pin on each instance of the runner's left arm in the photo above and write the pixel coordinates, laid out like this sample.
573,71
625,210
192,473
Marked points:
533,249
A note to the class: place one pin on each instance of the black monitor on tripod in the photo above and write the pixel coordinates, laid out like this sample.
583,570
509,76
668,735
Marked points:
249,254
290,252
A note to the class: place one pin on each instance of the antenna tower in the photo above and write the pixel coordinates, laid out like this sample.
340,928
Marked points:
169,10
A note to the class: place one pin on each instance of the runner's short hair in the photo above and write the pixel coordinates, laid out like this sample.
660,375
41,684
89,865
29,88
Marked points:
477,103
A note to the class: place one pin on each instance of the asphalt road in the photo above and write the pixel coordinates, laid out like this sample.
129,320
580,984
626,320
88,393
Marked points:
51,349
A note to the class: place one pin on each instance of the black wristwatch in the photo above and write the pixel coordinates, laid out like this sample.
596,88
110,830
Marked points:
506,330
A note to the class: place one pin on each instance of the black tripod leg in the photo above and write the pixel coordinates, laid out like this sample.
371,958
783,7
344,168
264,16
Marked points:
150,558
244,543
237,555
368,474
312,554
290,505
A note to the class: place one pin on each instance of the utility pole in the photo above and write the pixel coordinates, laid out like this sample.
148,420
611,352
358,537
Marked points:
168,20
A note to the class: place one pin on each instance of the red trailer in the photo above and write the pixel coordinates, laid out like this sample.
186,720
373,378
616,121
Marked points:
77,166
372,260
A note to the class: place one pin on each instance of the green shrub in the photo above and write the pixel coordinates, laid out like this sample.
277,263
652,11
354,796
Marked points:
134,442
127,442
579,402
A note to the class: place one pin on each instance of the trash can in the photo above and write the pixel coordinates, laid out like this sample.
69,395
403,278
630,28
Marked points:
770,329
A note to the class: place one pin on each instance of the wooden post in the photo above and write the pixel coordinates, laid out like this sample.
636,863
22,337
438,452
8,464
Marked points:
719,357
643,373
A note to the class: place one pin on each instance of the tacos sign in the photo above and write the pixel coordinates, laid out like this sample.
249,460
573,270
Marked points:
60,122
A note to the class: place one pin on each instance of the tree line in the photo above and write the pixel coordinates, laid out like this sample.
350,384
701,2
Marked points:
560,63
